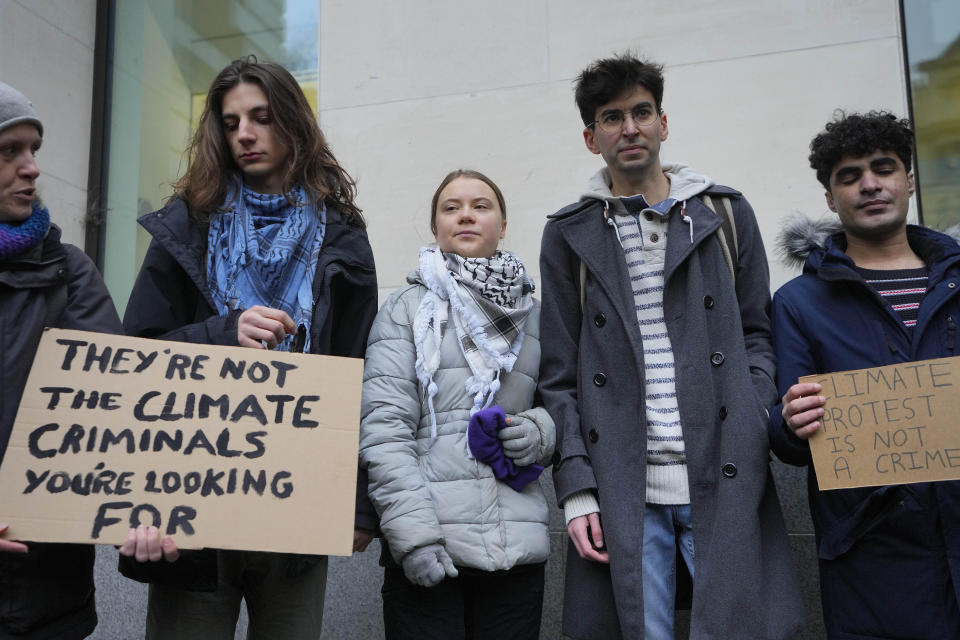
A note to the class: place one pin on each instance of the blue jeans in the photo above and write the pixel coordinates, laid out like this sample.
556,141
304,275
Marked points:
664,526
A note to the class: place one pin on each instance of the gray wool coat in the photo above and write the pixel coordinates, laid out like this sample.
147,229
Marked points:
591,382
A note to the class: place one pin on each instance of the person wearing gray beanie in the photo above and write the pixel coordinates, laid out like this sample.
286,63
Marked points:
16,109
46,588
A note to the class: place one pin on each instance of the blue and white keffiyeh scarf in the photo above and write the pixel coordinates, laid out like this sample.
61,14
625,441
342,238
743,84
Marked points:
490,299
264,250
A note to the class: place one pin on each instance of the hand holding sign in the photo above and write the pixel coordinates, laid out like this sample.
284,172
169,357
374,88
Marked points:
11,546
146,545
802,410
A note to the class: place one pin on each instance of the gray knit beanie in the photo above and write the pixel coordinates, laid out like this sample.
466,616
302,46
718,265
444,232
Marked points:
16,109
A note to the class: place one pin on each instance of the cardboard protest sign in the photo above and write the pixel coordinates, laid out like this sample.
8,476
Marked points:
889,425
223,447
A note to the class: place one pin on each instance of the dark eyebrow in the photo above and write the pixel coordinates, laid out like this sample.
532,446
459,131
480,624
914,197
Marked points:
883,162
257,110
844,172
645,103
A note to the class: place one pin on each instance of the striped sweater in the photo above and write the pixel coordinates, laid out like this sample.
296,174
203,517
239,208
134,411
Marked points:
902,289
642,233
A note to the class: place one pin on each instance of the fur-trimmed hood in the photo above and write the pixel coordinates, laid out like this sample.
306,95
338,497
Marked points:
799,236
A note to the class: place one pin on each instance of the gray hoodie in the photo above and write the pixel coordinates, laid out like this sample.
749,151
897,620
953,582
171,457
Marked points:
685,183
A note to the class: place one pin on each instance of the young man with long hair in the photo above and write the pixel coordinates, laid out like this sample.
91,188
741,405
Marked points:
260,246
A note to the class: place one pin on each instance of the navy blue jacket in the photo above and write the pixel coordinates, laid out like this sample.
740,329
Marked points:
171,301
889,556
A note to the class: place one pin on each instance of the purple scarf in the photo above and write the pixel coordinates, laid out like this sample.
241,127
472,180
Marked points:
15,238
486,447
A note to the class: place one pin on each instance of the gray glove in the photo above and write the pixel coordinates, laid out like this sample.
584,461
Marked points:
427,566
520,440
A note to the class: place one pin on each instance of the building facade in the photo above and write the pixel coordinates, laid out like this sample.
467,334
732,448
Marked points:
407,91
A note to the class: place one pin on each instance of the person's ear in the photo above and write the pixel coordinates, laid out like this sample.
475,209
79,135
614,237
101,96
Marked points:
589,134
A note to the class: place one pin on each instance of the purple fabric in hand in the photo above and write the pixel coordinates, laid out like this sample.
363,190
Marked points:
486,447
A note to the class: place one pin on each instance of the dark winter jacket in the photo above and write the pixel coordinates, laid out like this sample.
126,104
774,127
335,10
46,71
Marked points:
889,556
171,301
591,382
48,592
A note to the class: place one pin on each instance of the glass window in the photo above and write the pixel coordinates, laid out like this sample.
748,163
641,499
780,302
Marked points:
932,34
165,55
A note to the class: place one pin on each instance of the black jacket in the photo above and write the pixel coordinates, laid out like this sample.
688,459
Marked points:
171,301
48,592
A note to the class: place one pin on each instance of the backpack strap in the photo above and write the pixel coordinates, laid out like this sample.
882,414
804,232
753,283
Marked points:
55,297
727,232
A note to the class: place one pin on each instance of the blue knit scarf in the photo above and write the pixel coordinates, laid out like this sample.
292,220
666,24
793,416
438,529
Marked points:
15,238
263,250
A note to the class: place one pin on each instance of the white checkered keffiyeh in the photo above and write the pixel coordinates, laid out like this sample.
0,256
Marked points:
491,299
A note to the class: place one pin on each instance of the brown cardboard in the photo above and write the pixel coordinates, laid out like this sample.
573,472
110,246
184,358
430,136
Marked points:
888,425
292,421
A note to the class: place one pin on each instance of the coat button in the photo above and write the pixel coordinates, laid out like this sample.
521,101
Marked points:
654,237
729,470
951,285
61,273
599,320
708,302
599,379
593,435
716,359
555,460
722,413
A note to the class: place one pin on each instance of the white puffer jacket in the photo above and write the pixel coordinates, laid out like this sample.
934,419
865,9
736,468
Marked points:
427,490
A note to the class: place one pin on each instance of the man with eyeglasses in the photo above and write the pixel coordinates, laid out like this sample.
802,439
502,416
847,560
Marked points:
657,367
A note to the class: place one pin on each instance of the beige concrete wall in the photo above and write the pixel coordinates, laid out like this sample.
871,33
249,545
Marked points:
48,55
411,90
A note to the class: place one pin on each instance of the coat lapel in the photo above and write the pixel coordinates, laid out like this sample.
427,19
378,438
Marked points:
679,242
596,244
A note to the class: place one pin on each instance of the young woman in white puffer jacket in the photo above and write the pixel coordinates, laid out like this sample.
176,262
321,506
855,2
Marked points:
464,550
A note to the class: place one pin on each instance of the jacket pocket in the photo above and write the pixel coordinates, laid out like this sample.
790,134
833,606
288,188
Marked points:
879,505
49,582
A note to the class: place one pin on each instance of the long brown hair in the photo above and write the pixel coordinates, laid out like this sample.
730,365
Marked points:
311,163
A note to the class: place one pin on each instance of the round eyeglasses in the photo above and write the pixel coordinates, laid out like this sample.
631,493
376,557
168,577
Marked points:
612,120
